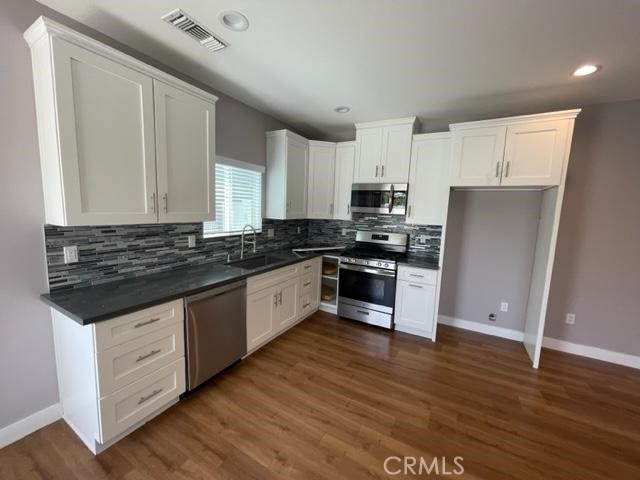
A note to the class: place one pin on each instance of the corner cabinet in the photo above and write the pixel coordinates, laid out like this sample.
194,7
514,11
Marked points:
428,179
525,151
322,160
287,166
383,151
113,135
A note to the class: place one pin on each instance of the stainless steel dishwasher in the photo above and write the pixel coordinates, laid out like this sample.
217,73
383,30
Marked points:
216,331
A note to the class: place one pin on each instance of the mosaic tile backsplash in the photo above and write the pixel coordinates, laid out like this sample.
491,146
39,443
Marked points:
111,253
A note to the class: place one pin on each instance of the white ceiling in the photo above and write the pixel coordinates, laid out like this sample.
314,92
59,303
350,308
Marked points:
442,60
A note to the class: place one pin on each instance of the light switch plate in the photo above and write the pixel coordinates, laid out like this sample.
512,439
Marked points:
191,240
70,254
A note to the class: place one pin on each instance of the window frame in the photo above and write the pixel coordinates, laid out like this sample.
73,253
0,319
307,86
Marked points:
232,162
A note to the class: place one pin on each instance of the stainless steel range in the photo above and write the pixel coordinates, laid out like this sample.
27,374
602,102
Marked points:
367,286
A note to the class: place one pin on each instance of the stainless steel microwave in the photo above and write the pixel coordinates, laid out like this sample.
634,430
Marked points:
387,198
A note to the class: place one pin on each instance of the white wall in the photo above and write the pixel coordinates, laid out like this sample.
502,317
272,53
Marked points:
489,255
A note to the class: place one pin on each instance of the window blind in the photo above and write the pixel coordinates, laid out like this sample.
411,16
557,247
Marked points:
238,200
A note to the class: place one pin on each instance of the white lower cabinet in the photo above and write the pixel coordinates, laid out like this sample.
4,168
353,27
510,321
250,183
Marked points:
416,301
117,374
279,299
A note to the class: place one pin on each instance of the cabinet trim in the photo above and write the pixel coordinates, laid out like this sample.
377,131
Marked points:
496,122
387,123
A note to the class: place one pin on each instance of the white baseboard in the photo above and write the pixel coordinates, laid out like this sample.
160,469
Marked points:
502,332
597,353
30,424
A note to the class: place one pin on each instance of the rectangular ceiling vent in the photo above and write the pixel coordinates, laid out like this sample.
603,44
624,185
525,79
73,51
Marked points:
182,21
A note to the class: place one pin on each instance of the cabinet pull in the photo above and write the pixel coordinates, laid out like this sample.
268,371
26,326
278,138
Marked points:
409,211
497,169
382,171
150,396
307,267
508,168
146,322
415,286
280,298
153,202
275,300
416,275
377,167
147,355
364,312
307,284
348,208
166,202
331,208
306,305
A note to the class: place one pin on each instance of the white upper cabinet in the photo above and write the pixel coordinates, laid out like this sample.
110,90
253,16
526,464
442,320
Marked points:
185,137
477,156
383,151
534,153
106,143
345,160
322,158
287,164
428,179
525,151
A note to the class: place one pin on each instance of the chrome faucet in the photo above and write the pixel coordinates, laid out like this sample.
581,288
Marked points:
251,242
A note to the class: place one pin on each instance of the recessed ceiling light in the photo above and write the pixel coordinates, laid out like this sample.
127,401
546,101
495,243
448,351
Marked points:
585,70
342,109
233,20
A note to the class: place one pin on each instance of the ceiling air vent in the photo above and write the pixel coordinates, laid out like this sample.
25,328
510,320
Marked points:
188,25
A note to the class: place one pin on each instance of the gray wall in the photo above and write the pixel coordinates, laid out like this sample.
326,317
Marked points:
27,370
597,268
489,247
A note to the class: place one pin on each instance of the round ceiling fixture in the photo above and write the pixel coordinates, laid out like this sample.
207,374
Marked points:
343,109
233,20
585,70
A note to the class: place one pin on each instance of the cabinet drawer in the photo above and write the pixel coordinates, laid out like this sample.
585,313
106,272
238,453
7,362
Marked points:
269,279
134,325
306,304
307,283
125,363
307,266
126,407
418,275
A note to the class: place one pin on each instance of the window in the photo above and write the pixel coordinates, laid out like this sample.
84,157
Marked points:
238,198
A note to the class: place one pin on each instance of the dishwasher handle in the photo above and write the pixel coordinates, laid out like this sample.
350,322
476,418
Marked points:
214,292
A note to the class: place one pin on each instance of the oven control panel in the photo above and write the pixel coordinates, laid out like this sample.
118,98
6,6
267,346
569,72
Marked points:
372,263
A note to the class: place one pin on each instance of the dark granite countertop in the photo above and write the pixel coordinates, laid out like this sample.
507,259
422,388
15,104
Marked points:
420,261
101,302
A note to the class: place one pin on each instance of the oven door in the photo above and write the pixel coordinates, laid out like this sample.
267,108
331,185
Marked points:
390,199
367,287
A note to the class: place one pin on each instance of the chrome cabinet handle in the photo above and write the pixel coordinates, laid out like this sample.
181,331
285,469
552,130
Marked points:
150,396
382,170
166,202
331,209
377,166
306,305
307,267
146,322
508,168
153,202
275,300
497,169
348,208
362,312
307,284
409,211
147,355
416,275
280,296
415,286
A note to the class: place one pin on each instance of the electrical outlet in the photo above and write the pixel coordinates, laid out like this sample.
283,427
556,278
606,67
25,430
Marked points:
571,319
299,230
423,239
191,241
344,232
492,317
504,307
270,233
70,254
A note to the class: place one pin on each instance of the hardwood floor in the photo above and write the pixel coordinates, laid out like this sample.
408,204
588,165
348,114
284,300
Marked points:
332,399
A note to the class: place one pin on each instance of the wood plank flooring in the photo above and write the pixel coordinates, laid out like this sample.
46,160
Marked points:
332,399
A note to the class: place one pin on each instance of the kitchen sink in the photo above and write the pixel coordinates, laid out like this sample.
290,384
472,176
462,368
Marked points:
255,262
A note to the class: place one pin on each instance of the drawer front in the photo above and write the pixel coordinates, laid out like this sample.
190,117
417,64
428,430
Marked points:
308,265
307,283
418,275
306,304
124,408
137,324
269,279
125,363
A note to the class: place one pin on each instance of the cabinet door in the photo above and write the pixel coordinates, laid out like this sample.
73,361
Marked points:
368,155
428,179
296,165
477,156
345,160
415,304
396,154
106,132
288,303
185,145
321,179
534,153
262,318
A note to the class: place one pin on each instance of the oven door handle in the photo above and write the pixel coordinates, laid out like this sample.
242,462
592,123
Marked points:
374,271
